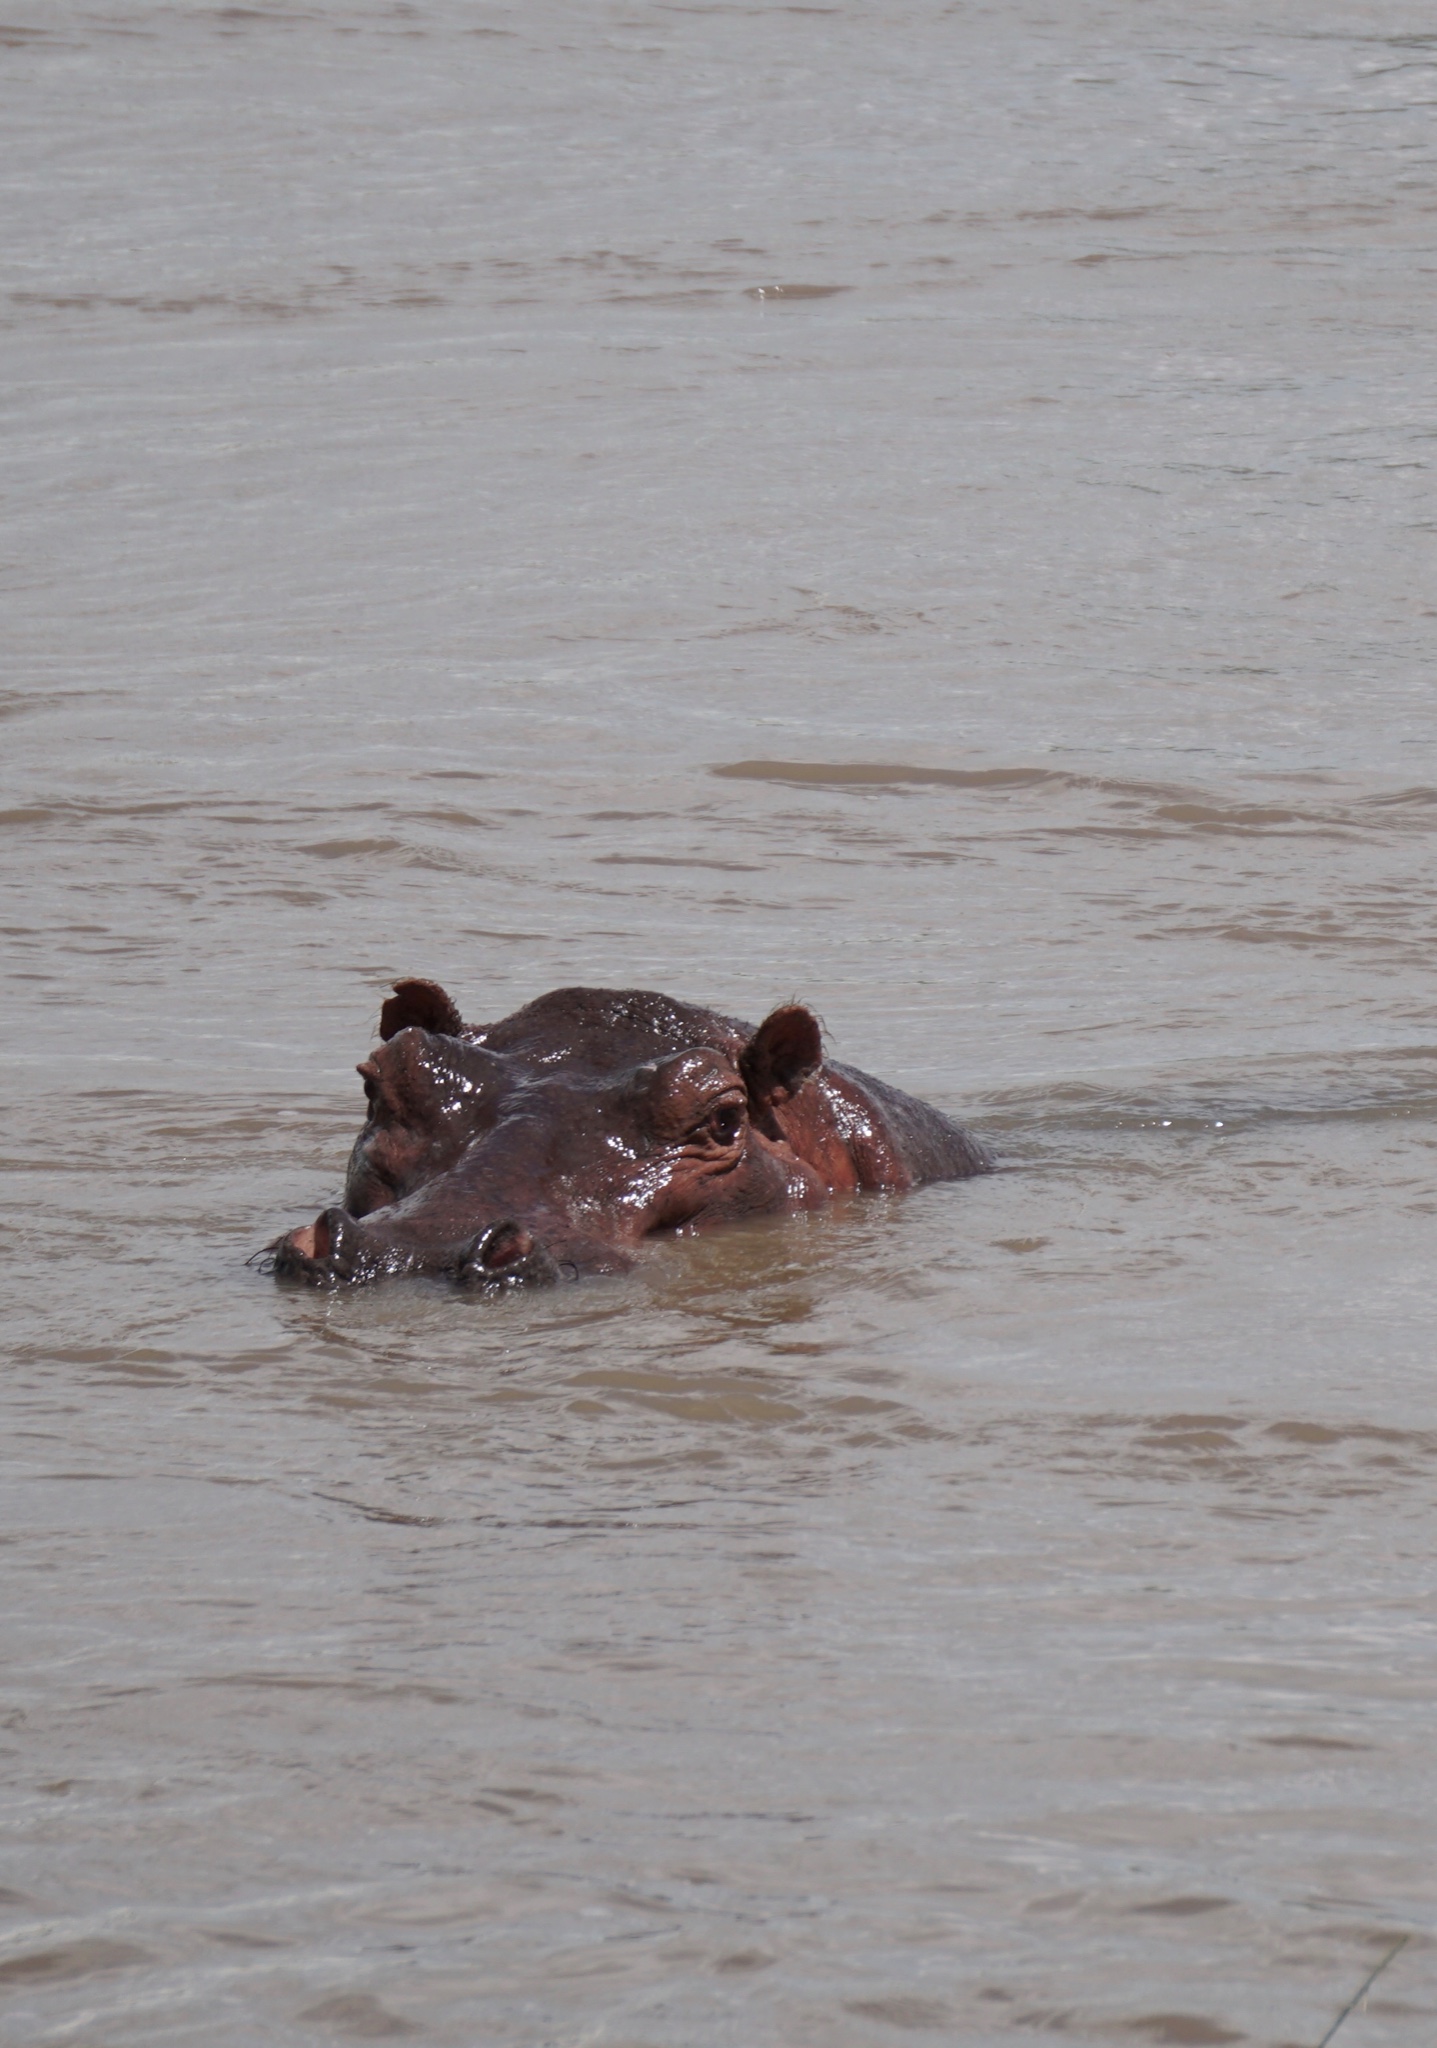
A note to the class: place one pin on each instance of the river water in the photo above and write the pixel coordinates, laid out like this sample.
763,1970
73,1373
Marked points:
921,508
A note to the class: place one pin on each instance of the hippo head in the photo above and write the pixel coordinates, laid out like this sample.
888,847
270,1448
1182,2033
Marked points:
558,1140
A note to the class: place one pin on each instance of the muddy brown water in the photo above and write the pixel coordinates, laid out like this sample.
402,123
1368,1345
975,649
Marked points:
922,508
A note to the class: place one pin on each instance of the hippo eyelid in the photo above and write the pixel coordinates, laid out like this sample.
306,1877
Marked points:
728,1110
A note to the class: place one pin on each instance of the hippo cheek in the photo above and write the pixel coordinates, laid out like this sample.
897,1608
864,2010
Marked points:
763,1182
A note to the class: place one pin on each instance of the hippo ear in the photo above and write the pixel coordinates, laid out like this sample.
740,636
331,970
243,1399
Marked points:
423,1003
786,1048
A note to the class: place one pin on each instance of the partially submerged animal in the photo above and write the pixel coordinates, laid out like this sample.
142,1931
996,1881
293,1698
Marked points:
555,1142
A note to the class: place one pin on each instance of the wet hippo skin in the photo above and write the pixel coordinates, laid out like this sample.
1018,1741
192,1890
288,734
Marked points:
554,1143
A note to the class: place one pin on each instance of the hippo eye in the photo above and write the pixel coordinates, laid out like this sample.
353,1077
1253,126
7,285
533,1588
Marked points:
725,1123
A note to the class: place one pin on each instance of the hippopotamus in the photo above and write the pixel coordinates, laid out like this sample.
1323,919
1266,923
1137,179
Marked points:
556,1142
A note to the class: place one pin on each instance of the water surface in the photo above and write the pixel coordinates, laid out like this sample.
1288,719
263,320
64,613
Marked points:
923,509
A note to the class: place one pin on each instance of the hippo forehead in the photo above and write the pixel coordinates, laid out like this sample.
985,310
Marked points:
654,1098
609,1031
609,1066
423,1077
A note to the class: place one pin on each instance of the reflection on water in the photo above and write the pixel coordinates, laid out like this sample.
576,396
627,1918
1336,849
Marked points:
925,512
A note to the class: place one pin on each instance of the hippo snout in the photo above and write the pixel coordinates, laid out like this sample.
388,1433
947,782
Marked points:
336,1250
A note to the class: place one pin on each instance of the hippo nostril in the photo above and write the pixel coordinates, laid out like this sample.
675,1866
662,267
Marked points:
504,1245
334,1249
505,1256
303,1255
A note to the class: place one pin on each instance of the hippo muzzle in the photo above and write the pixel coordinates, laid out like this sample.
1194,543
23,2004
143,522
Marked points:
337,1251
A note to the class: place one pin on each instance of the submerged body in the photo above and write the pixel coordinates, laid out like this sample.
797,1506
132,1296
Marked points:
556,1141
